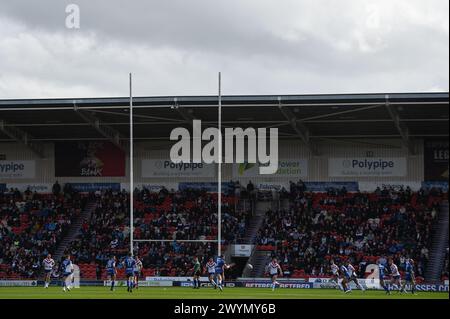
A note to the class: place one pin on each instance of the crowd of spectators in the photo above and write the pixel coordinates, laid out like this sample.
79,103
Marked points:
360,226
31,226
169,216
107,230
187,215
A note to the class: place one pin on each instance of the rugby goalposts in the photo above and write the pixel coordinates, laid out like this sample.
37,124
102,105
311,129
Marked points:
219,177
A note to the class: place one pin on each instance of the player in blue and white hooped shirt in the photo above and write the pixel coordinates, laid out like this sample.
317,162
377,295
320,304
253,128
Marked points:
410,277
67,272
220,271
137,271
352,275
396,279
274,270
211,270
49,264
129,264
111,271
381,275
345,278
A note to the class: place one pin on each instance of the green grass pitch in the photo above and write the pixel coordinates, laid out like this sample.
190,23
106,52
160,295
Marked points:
204,293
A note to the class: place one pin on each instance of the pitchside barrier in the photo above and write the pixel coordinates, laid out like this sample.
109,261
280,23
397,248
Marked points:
311,283
45,188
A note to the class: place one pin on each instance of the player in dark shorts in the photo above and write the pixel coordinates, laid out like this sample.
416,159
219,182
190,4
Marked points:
112,271
129,264
410,277
197,273
220,271
137,271
381,274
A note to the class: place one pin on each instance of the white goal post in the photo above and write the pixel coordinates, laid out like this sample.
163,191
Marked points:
219,179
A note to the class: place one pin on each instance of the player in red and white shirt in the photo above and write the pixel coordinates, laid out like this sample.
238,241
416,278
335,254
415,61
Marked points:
335,274
49,264
395,275
137,271
211,270
352,276
274,269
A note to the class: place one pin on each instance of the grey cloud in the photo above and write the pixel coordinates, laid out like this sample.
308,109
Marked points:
264,46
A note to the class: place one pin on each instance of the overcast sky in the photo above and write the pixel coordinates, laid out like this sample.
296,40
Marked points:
176,47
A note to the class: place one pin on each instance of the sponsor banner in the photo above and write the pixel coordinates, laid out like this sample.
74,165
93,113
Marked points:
93,187
123,283
311,186
425,287
439,185
324,186
173,278
372,186
18,283
153,188
162,283
57,282
268,284
153,168
319,280
209,187
38,188
242,250
435,156
227,284
17,169
282,279
286,169
89,159
356,167
272,186
326,283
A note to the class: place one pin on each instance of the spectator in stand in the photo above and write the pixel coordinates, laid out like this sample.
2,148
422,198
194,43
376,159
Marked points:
237,189
301,186
56,189
99,271
251,190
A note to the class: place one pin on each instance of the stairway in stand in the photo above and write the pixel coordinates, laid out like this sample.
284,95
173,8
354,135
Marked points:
439,246
256,221
258,259
74,229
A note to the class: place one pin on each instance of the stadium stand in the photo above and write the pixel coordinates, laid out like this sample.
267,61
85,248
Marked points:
31,226
361,226
317,227
336,222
